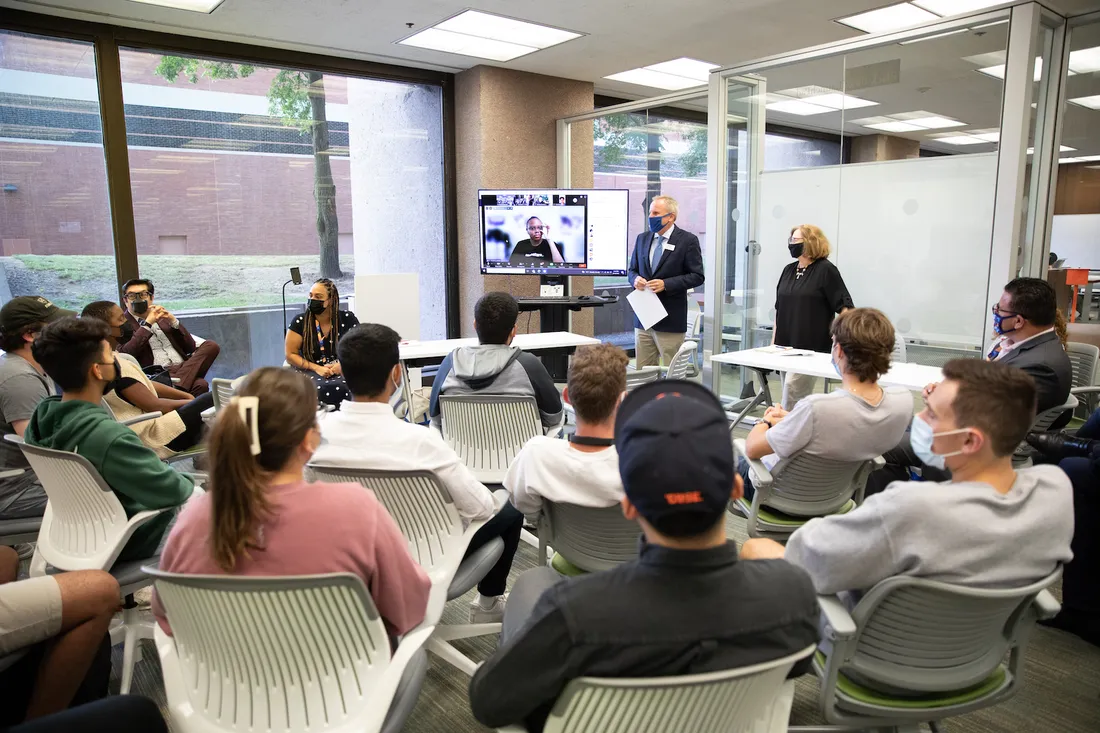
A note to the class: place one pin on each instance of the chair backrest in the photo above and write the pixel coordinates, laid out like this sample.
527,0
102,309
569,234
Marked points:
922,635
1083,358
806,485
487,431
695,324
682,361
1046,418
84,523
898,354
718,702
637,377
592,539
417,500
223,391
275,654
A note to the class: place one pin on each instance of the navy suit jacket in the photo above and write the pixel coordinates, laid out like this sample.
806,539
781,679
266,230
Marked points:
681,268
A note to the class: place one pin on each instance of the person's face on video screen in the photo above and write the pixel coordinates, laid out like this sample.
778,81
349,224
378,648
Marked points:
534,230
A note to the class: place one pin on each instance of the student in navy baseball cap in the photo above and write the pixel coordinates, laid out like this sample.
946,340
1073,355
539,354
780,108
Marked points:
676,458
686,605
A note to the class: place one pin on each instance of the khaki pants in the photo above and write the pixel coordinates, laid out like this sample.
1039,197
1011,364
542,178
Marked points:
655,348
795,387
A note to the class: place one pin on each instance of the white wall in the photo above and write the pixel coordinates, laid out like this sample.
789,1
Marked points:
911,238
1076,239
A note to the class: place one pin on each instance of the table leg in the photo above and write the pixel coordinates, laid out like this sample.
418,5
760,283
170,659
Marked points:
764,395
407,391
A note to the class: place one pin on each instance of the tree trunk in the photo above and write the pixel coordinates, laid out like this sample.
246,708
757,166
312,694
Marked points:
653,169
324,187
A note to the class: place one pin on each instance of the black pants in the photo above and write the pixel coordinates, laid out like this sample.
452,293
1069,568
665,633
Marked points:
507,525
17,684
191,414
330,390
109,715
1080,591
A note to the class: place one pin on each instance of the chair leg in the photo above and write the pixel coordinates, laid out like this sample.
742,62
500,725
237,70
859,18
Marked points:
452,656
38,563
131,632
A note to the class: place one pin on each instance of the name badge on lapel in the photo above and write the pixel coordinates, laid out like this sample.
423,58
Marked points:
668,247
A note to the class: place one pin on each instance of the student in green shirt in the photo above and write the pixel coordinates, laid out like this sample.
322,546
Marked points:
76,354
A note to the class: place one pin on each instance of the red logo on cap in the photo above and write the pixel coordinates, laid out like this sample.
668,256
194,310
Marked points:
684,497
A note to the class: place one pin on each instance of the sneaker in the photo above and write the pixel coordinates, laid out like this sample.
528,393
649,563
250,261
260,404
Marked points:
492,615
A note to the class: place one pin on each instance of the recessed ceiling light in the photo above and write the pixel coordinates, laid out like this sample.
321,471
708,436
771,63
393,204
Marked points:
938,35
650,78
487,36
197,6
1088,158
1070,160
896,126
989,137
890,18
837,100
955,7
935,122
1092,102
1061,149
798,107
681,73
1085,61
960,140
998,72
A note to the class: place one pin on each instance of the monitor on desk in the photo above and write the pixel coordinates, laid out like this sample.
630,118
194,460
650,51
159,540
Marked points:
553,232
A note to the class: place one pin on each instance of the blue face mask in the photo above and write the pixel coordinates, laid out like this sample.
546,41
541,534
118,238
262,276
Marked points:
836,366
655,223
921,436
998,328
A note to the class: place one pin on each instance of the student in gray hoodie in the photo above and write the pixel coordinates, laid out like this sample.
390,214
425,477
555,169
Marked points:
495,366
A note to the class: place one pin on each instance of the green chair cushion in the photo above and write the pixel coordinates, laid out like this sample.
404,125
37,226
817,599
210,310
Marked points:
868,696
564,567
767,515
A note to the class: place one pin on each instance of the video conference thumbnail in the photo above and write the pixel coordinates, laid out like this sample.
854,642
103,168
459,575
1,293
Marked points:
535,230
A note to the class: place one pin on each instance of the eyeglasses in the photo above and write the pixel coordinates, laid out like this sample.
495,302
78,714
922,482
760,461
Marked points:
996,310
141,295
536,229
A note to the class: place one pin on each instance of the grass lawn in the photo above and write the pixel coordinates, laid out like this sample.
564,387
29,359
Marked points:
183,282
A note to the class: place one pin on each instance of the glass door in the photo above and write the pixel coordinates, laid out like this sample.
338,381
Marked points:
736,120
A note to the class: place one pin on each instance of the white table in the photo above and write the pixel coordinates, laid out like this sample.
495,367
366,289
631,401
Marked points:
426,353
902,374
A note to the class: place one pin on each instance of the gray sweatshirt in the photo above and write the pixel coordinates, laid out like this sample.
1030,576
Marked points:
964,533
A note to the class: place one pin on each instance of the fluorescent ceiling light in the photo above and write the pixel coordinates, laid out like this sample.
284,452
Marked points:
998,72
935,122
1088,158
954,7
1085,61
938,35
685,67
459,43
1070,160
650,78
897,126
989,137
836,100
960,140
486,36
197,6
509,30
1092,102
890,18
1061,149
681,73
798,107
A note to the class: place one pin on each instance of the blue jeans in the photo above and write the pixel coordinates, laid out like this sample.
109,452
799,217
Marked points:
1091,429
743,471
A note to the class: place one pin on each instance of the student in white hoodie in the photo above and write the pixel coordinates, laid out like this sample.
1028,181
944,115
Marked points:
583,470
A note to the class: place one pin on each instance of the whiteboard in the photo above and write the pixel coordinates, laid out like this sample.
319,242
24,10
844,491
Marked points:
911,238
1076,238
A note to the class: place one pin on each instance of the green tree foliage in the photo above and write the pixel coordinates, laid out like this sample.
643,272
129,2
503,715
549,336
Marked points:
297,99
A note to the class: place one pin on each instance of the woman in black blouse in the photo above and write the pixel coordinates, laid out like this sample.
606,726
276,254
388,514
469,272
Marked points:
311,341
809,295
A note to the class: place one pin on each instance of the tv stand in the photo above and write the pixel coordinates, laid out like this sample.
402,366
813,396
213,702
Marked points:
553,307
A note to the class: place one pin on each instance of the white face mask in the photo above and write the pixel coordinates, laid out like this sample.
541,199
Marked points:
921,436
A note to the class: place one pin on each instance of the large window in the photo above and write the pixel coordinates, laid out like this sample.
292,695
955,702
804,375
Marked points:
240,172
55,222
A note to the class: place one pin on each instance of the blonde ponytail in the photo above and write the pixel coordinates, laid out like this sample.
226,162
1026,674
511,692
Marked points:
1061,328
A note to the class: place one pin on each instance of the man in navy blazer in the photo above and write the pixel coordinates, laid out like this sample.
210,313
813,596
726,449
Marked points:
668,261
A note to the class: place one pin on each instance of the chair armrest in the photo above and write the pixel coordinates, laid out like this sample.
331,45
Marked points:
1045,606
386,685
1091,389
208,414
141,418
501,497
761,476
839,624
12,473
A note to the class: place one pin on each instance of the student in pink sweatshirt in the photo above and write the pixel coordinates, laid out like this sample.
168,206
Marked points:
260,517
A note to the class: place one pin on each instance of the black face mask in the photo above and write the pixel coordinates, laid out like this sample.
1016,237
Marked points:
316,307
114,383
795,249
125,333
140,307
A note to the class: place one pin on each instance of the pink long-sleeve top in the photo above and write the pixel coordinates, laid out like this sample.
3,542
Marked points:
312,529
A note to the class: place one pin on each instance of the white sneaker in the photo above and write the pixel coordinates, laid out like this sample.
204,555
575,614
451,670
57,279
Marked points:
492,615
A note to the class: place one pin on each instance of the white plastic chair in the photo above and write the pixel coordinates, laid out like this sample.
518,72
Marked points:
281,655
731,701
1083,358
916,650
799,488
424,510
145,416
1024,454
682,362
695,333
589,538
637,377
487,431
85,528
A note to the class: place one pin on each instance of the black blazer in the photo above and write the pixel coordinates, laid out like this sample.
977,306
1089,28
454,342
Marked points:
1048,364
681,268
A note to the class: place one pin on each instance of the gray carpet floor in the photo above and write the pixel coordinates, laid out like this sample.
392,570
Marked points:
1060,692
